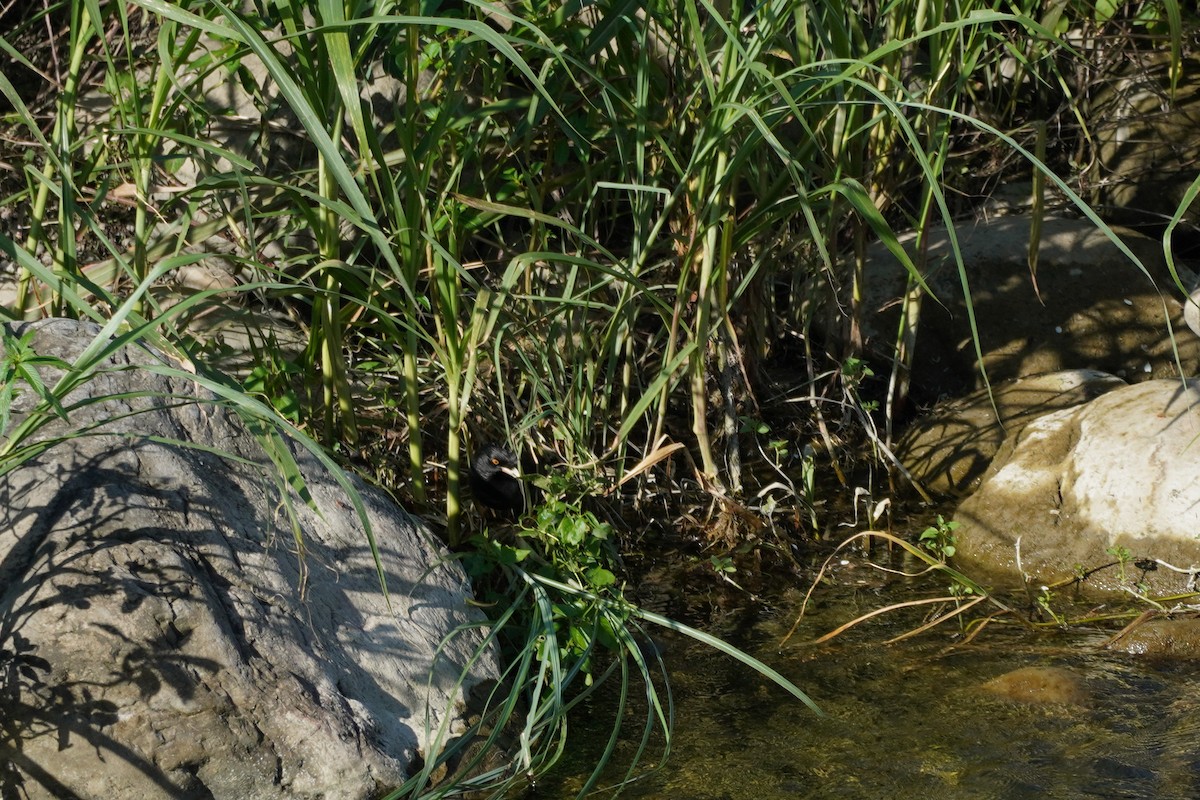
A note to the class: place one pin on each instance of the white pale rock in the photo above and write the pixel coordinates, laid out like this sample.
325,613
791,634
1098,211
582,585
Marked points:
1120,471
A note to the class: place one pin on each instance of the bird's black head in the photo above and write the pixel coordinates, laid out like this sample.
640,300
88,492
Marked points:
496,480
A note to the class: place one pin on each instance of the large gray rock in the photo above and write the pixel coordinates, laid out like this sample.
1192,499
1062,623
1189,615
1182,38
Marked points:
171,627
1118,472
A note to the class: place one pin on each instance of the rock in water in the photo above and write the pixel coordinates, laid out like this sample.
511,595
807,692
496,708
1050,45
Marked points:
164,632
1043,685
949,449
1108,485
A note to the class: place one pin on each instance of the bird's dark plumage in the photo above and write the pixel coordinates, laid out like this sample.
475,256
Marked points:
496,481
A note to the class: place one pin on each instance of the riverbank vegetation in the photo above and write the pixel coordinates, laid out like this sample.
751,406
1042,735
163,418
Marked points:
625,238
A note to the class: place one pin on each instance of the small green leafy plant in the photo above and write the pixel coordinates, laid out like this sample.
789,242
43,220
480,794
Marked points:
20,366
550,583
722,565
1124,558
273,380
573,546
939,538
1045,603
575,543
854,372
562,541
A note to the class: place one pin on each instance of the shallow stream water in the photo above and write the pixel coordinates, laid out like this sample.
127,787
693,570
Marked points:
907,720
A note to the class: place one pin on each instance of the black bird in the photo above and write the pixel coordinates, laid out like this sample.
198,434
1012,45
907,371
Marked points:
496,481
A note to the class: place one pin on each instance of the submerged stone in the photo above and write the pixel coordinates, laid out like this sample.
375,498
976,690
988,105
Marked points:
1163,638
1042,685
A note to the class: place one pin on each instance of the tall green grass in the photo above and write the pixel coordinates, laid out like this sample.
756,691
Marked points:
570,226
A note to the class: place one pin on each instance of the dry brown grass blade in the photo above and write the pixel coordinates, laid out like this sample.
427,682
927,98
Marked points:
915,551
938,620
908,604
1137,622
976,629
659,453
825,566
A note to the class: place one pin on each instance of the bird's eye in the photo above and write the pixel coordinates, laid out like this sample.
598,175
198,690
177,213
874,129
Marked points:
495,462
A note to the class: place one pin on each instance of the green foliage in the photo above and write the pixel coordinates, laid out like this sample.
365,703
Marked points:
939,538
562,541
21,366
577,544
570,545
555,597
1124,558
779,455
1045,604
274,382
723,565
541,214
855,370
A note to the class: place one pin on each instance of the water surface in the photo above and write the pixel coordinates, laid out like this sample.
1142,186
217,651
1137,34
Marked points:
908,720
